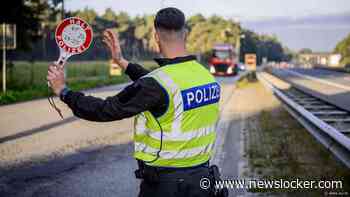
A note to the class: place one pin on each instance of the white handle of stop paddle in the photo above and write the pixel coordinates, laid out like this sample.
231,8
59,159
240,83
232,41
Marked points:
61,61
63,57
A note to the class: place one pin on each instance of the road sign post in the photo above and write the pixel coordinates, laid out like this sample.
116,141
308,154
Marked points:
8,41
238,46
3,58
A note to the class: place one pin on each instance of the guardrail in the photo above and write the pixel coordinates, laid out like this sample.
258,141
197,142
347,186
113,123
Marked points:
330,137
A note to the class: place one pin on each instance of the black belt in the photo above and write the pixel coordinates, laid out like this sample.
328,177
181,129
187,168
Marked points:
142,165
153,173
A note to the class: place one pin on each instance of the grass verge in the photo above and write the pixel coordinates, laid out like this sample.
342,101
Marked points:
280,148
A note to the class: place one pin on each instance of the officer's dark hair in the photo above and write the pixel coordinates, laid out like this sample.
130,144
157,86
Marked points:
170,19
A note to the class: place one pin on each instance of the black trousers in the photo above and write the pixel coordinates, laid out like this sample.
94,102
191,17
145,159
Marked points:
179,183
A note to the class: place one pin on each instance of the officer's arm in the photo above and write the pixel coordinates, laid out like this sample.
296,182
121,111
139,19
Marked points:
135,71
141,96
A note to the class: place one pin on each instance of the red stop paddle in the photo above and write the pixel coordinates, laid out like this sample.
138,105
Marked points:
73,36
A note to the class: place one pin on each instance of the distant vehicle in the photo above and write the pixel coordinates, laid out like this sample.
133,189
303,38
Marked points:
222,61
242,67
284,65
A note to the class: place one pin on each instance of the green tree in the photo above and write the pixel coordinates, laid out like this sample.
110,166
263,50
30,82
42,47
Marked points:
109,15
305,50
249,44
343,47
87,14
271,48
264,46
204,33
27,15
144,31
195,19
124,21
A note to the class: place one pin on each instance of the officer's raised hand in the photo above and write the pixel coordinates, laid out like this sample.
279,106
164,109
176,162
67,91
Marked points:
111,40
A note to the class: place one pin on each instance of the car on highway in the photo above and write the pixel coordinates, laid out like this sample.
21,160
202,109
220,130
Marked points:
241,67
223,60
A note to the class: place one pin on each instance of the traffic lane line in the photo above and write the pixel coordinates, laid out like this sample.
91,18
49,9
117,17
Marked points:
318,80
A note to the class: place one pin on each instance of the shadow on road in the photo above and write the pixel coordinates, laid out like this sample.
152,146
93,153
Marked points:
42,128
87,172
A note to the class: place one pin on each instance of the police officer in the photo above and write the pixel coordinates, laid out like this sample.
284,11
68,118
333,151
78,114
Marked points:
175,108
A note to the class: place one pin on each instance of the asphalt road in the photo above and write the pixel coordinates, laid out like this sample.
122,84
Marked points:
328,75
331,86
41,155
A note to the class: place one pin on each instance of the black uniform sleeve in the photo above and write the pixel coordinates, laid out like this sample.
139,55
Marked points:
146,94
135,71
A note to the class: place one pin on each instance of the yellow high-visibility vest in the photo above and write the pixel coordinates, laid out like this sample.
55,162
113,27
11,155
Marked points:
189,122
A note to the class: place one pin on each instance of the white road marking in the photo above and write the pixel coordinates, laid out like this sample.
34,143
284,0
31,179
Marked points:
219,144
243,163
346,78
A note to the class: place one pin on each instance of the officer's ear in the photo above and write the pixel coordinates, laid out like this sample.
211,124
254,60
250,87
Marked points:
156,36
157,39
186,32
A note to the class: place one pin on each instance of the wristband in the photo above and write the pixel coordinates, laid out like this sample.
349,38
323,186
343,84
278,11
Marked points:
64,93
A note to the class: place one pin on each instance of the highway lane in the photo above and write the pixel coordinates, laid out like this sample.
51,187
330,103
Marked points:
328,75
74,157
332,88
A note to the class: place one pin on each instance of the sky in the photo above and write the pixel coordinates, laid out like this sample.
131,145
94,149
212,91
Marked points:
244,11
230,8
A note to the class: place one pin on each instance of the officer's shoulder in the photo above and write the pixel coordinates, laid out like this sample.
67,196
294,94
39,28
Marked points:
147,82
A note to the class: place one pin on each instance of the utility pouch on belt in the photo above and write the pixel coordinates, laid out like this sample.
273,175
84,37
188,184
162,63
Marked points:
149,174
215,176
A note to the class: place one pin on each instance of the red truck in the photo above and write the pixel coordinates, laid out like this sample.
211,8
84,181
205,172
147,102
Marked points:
223,60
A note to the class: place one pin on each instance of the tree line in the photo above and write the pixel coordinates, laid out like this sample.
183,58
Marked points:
343,47
37,41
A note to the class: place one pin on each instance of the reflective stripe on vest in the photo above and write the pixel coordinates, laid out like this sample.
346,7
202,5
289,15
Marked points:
166,154
177,137
189,122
